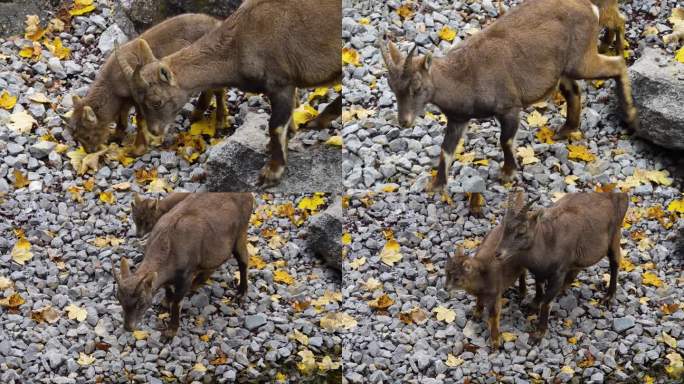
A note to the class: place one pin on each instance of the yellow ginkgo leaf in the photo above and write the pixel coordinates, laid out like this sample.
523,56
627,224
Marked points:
508,336
676,206
7,101
580,152
57,49
447,33
81,7
76,312
390,253
140,335
351,56
545,135
312,203
445,314
84,359
21,252
536,119
346,238
527,155
453,361
335,141
282,276
256,262
650,278
83,162
107,197
303,114
33,30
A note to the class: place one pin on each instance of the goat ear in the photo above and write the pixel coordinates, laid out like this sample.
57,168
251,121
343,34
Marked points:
148,281
427,62
117,277
89,115
145,53
125,269
137,199
394,54
75,100
166,75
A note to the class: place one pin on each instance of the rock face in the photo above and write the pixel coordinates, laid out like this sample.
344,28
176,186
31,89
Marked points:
13,14
146,13
658,86
234,165
325,235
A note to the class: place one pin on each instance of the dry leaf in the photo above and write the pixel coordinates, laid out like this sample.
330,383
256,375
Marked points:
650,278
76,312
453,361
445,314
381,302
527,155
372,284
14,301
447,33
545,135
308,363
282,276
21,252
580,152
20,181
536,119
390,253
84,359
46,314
405,11
351,56
81,7
356,263
335,141
107,197
337,321
7,101
21,122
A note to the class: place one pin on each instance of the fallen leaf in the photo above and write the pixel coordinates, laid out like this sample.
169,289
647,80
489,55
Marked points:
346,238
199,367
668,340
312,203
536,119
82,161
282,276
445,314
405,11
650,278
669,309
5,283
356,263
390,253
256,262
453,361
76,312
580,152
626,265
567,370
107,197
46,314
447,33
33,30
122,186
158,185
336,321
20,181
415,315
545,135
527,155
650,30
308,363
508,336
381,302
7,101
84,359
327,364
14,301
679,56
204,127
676,367
351,56
372,284
21,122
21,252
57,49
81,7
300,337
335,141
40,98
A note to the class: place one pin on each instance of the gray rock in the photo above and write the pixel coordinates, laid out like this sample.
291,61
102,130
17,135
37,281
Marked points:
325,235
42,149
234,164
109,36
146,13
658,86
56,67
623,323
253,322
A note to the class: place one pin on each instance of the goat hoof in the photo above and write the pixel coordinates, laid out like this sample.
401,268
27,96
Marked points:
495,343
536,337
138,150
564,133
270,175
607,301
508,175
435,186
170,332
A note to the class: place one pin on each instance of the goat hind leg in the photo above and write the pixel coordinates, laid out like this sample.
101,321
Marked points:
281,116
243,260
509,127
222,112
553,286
614,257
454,132
571,92
203,103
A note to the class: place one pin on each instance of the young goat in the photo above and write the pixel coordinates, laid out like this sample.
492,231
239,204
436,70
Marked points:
485,278
146,212
555,243
109,98
266,46
504,68
186,245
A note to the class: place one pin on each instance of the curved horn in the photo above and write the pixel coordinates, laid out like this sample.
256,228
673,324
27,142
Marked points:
528,205
133,77
409,58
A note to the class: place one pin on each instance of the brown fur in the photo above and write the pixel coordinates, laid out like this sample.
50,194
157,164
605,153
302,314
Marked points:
485,278
186,245
555,243
265,46
146,212
504,68
109,98
614,22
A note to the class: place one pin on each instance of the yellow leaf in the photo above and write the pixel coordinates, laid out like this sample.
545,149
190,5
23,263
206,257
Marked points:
82,161
75,193
447,33
536,119
303,114
445,314
351,56
650,278
597,83
364,21
89,184
76,312
668,340
199,367
312,203
256,262
282,276
679,56
650,31
57,49
390,253
405,11
676,206
84,359
626,265
484,162
676,367
453,361
7,101
41,98
372,284
140,335
527,155
545,135
580,152
381,302
33,30
471,243
336,321
308,364
571,179
648,379
5,283
335,141
508,336
158,185
21,252
81,7
346,238
356,263
572,340
389,188
318,92
20,181
107,197
280,377
13,302
300,337
203,127
21,122
327,364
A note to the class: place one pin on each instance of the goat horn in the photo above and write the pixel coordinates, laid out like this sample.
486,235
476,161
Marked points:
409,58
133,77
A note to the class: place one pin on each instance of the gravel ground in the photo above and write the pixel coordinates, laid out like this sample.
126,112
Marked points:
585,342
65,217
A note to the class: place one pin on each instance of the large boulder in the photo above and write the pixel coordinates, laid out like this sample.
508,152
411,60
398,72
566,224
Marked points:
13,14
324,237
234,164
146,13
658,87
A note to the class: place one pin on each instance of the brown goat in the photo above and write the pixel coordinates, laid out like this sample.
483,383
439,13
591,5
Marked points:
109,98
485,278
146,212
266,46
187,244
555,243
504,68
